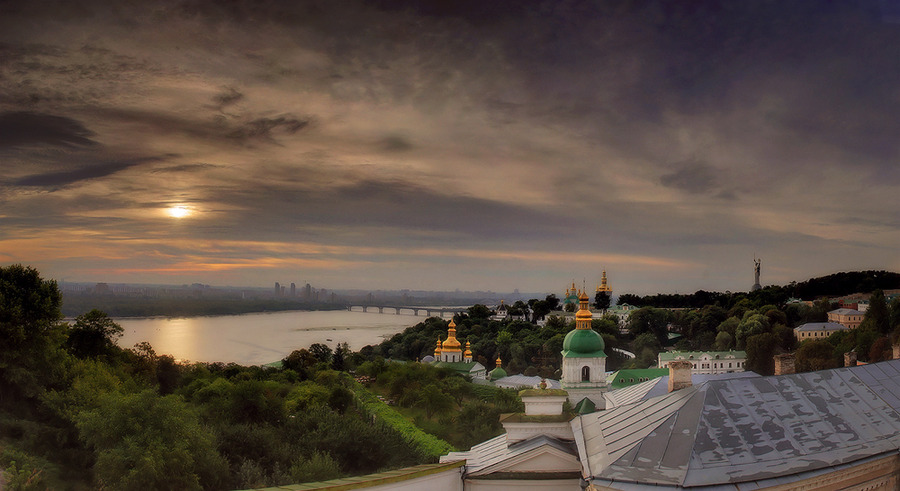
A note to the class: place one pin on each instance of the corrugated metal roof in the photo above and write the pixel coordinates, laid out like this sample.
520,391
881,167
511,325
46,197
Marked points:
496,450
747,429
519,381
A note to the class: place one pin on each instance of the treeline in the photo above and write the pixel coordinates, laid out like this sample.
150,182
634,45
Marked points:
524,347
124,306
834,285
79,412
763,330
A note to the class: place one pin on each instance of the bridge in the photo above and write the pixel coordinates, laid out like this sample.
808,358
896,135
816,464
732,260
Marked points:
408,309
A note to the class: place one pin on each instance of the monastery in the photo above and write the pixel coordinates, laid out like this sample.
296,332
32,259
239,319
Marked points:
832,429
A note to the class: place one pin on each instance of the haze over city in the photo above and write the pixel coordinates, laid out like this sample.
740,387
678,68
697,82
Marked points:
443,145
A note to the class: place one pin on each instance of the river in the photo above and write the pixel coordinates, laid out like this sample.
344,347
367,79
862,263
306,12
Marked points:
256,339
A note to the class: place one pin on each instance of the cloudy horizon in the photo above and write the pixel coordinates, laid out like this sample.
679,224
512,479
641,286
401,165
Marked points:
442,145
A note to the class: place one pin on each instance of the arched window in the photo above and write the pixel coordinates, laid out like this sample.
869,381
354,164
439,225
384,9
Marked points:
585,373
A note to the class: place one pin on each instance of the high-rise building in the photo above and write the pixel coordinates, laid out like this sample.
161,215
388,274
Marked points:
293,290
277,289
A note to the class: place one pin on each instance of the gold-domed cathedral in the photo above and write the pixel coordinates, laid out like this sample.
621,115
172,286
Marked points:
451,349
584,359
449,354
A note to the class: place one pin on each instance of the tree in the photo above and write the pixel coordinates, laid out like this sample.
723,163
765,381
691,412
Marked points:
894,317
434,400
144,441
321,351
318,467
299,360
761,352
751,325
93,334
724,341
630,299
479,312
30,333
877,316
816,354
601,300
552,302
341,356
649,319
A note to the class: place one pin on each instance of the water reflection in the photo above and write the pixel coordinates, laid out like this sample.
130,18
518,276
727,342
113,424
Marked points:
253,339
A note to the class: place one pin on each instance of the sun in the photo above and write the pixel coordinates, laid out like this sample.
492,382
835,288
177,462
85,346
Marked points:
179,211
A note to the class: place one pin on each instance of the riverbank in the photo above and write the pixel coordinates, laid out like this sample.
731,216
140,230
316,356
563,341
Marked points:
189,306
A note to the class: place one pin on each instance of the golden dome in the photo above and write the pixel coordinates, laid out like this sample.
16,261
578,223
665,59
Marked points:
437,351
451,344
468,352
498,362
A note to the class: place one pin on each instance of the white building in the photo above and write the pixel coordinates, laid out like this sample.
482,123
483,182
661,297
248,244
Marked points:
706,362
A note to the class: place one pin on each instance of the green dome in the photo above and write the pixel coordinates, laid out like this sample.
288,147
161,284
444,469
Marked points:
583,343
497,373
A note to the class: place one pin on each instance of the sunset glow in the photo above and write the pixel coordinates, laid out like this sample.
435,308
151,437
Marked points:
179,211
444,145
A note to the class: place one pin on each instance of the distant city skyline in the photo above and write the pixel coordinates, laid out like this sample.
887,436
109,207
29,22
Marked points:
380,144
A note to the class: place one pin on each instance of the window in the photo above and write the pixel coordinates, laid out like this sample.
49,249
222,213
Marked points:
586,373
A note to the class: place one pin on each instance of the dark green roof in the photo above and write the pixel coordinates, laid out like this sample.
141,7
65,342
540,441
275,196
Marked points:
535,418
583,343
624,378
585,406
497,373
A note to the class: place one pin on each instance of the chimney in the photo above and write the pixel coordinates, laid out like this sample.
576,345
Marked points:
680,375
850,359
897,351
784,364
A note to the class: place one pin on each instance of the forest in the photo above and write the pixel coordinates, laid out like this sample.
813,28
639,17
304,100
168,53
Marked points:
77,411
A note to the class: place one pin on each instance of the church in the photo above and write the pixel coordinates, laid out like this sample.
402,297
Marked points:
449,354
831,429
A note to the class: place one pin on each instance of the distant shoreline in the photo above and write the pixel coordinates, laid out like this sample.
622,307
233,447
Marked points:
172,307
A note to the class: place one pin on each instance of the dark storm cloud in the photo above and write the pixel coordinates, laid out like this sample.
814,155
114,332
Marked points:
82,173
268,128
692,177
227,98
186,168
394,205
396,143
22,128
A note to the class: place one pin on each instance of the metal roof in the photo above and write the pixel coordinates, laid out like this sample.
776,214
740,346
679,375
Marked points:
519,381
696,355
822,326
845,312
746,429
494,451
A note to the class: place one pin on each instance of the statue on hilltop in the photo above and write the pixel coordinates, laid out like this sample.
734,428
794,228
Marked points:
757,263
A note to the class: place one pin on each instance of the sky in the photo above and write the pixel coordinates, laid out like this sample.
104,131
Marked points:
450,144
